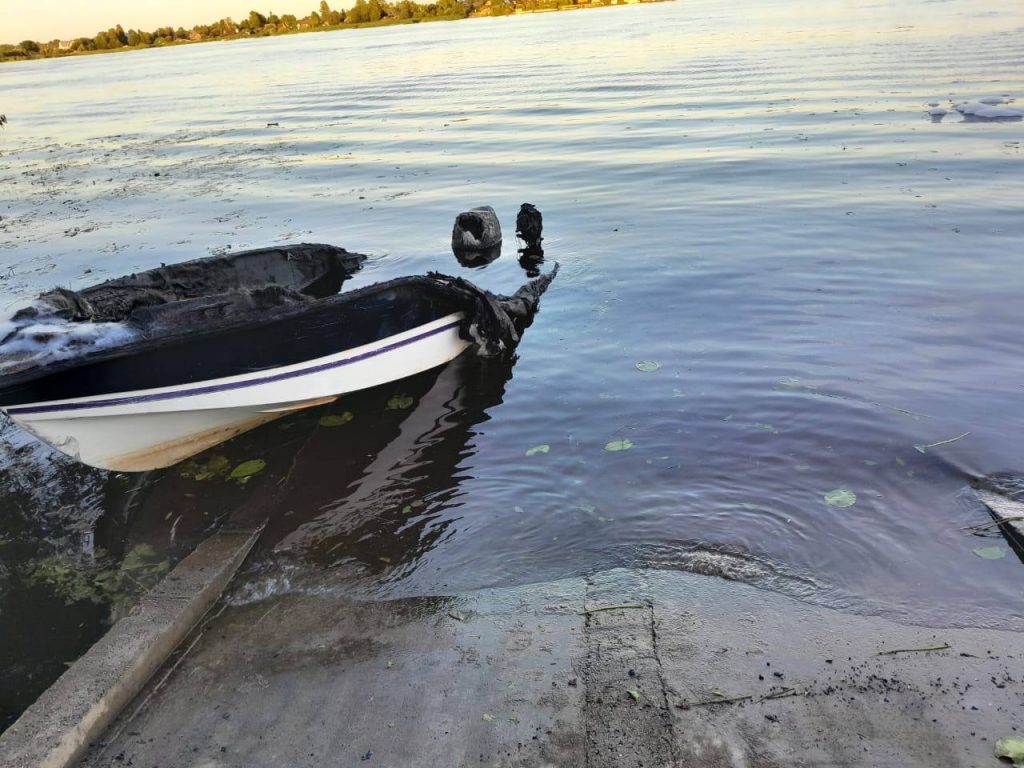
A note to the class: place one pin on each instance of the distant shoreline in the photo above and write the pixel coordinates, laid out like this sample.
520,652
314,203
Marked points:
56,50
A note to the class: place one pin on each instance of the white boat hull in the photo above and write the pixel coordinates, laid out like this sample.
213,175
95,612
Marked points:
148,429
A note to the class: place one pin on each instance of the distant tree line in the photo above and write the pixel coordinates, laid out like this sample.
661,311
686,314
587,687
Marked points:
258,24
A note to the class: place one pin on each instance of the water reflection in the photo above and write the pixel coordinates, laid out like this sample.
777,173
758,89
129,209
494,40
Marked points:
389,481
531,258
477,259
363,480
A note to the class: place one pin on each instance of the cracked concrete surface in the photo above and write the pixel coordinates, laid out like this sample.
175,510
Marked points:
705,672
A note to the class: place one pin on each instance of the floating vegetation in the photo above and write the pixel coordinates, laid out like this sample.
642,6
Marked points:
991,553
76,581
545,448
618,445
792,383
66,577
244,471
648,366
215,466
400,402
841,497
923,448
336,419
768,428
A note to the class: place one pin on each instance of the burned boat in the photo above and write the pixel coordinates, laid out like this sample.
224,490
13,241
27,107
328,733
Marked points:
166,363
1002,493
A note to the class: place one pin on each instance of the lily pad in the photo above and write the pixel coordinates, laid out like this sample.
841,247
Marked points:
336,419
648,366
618,445
841,497
399,402
244,471
538,449
1011,749
991,553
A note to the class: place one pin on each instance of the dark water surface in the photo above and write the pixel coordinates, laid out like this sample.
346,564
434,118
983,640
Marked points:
749,195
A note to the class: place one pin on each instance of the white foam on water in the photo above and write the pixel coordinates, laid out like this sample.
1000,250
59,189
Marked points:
45,339
986,111
937,111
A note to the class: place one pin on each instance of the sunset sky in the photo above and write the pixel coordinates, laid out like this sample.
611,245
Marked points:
49,19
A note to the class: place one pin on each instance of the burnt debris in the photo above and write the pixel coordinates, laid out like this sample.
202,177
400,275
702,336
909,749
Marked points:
476,236
494,323
292,273
529,228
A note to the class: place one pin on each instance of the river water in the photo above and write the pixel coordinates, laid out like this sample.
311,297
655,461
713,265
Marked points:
747,199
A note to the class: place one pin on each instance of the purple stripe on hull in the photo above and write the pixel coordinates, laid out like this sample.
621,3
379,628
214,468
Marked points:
210,388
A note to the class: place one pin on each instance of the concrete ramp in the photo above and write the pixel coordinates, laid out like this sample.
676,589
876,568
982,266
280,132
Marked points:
692,671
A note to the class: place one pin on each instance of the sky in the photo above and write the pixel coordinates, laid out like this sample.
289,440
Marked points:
45,20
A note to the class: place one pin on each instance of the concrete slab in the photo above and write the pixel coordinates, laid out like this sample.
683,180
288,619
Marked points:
520,677
83,702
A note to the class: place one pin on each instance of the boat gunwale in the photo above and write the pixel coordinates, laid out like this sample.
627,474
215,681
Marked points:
241,381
